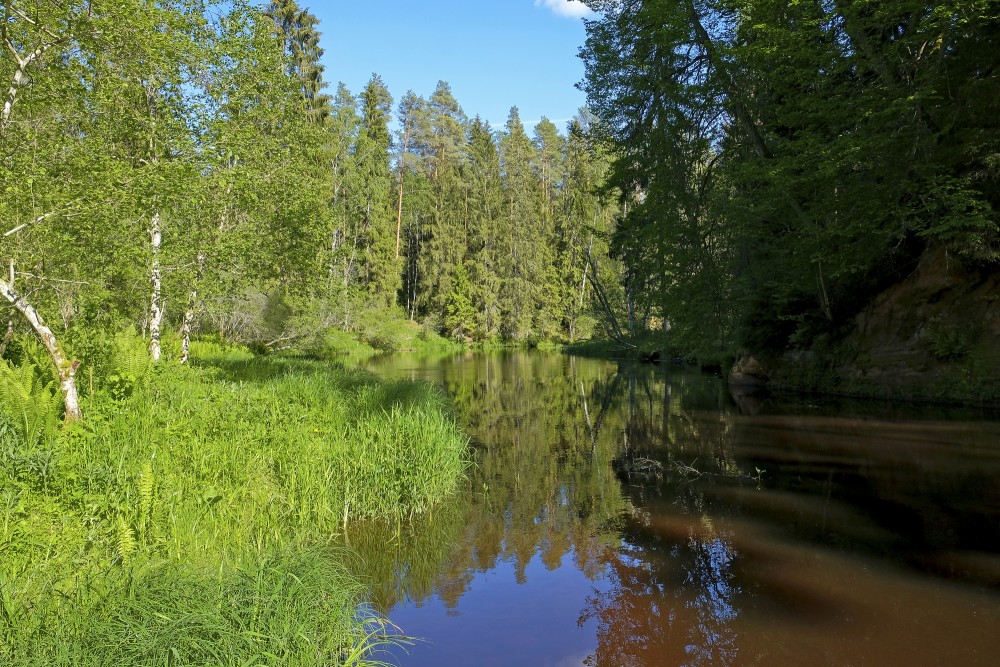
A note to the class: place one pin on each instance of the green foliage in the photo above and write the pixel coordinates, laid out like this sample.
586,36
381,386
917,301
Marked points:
29,406
129,364
186,520
782,163
289,607
949,345
339,345
461,318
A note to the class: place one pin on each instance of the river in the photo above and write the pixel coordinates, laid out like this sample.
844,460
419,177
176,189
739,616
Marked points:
626,514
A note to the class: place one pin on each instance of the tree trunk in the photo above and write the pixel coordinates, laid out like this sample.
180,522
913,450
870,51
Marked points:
65,369
602,299
17,81
189,313
156,302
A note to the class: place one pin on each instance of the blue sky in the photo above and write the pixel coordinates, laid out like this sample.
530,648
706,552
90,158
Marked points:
494,53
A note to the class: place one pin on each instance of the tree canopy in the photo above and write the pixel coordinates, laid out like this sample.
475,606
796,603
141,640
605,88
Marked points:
784,161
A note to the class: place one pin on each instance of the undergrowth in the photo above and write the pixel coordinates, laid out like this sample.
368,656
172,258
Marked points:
187,520
379,332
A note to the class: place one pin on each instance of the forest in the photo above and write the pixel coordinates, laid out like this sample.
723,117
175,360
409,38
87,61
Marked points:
189,156
747,176
785,162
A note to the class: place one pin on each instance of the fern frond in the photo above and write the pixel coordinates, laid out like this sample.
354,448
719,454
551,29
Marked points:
129,357
28,403
147,485
125,544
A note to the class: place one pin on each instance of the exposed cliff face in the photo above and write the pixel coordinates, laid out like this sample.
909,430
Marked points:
936,334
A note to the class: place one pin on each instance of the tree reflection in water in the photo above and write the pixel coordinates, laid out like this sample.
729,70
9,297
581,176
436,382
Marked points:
546,430
711,562
669,602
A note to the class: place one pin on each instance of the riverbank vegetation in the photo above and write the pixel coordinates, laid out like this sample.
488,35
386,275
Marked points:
191,517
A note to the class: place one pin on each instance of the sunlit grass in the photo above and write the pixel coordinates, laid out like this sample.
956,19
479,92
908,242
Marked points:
185,522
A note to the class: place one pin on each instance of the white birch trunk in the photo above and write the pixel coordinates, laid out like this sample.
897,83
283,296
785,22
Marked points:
18,79
189,313
186,327
65,369
156,302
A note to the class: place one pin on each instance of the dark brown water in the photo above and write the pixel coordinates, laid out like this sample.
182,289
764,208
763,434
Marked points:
621,514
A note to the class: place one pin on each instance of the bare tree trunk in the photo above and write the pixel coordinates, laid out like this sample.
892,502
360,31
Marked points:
824,297
10,321
65,369
630,305
586,267
156,302
189,313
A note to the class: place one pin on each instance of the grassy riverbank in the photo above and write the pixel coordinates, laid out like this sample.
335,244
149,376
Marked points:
188,519
377,333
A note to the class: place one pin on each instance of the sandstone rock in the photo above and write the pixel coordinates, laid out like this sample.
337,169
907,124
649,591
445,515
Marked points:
748,372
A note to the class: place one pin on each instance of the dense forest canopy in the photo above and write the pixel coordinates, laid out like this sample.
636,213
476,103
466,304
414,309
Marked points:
783,161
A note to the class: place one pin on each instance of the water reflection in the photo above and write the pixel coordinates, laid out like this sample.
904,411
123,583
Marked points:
622,514
542,484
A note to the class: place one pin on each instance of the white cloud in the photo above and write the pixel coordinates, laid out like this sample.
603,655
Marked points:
572,8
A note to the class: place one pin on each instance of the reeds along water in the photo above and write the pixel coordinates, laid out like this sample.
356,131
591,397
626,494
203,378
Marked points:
191,514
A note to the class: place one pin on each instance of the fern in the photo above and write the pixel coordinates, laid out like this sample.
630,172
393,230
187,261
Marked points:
130,362
129,358
147,484
125,544
30,405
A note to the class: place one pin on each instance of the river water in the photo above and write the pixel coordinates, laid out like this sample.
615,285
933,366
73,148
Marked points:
624,514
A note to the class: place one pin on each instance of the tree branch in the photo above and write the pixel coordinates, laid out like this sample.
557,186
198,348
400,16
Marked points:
41,218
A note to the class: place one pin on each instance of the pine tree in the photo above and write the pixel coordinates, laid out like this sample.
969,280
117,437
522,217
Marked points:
485,221
297,29
441,136
549,172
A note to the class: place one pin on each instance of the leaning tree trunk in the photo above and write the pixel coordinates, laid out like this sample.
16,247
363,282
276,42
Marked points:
65,369
156,302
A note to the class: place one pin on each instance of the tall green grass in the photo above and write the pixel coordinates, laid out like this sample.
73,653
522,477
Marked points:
187,519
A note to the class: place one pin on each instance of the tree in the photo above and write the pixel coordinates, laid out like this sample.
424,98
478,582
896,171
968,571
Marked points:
296,27
380,276
485,221
72,68
550,174
785,159
440,136
522,244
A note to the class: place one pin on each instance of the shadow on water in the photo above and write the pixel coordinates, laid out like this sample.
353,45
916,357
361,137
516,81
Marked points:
621,514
